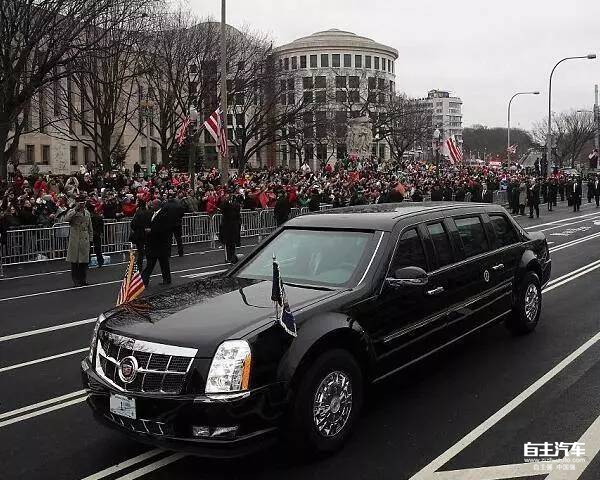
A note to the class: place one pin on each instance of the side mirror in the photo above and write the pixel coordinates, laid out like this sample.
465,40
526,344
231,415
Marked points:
408,277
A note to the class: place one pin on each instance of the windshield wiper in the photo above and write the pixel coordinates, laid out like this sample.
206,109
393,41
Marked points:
312,287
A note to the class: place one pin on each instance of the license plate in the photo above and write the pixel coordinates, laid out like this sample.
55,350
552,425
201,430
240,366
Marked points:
123,406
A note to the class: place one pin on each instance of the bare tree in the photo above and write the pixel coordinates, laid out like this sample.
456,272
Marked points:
40,42
571,131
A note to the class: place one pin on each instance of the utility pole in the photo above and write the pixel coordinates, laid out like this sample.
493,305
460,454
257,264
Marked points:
597,122
224,161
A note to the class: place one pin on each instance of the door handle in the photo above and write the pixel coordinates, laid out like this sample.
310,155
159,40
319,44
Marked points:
500,266
435,291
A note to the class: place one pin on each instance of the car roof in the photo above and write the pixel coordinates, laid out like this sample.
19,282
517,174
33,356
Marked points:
383,216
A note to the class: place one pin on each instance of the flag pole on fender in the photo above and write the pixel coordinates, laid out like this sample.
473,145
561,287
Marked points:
283,313
133,285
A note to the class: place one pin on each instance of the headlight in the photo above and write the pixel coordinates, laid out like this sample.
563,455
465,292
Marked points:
99,321
230,368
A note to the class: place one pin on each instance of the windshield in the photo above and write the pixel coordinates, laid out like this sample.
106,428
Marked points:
313,257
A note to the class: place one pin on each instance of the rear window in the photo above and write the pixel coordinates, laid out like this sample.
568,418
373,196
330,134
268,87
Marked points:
505,233
441,244
472,235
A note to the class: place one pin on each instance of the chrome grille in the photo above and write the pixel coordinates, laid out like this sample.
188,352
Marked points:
161,368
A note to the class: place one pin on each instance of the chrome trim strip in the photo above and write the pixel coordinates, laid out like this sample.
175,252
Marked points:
153,347
382,234
145,370
431,352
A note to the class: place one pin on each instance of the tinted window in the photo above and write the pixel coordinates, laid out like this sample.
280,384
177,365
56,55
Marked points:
472,235
409,252
505,233
441,244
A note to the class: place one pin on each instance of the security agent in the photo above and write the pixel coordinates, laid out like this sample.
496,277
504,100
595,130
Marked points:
159,236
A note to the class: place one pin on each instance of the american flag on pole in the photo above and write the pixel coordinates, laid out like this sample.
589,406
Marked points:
133,285
455,153
216,127
512,149
283,314
182,131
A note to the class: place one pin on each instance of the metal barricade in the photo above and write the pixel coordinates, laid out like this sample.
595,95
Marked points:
116,237
267,221
325,206
468,196
196,229
215,228
251,226
28,245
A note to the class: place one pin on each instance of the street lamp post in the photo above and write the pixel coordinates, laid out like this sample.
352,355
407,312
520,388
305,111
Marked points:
590,56
508,129
146,106
436,135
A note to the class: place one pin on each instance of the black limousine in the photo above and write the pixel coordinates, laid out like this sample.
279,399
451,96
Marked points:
205,367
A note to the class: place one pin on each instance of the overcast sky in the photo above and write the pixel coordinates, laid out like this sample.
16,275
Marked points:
482,51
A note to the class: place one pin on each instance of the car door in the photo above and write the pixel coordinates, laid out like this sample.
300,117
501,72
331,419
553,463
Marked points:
473,285
404,321
509,250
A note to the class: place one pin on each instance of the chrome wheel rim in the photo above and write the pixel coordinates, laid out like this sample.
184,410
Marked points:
332,404
531,303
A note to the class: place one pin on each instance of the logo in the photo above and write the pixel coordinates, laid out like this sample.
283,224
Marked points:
486,276
128,368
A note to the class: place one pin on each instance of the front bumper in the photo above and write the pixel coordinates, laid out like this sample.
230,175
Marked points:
167,421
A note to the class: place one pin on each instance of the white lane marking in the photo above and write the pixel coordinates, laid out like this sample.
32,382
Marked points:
35,406
571,278
45,359
205,252
42,411
560,221
573,272
497,472
152,467
125,464
576,241
567,224
203,274
100,284
551,243
46,329
427,472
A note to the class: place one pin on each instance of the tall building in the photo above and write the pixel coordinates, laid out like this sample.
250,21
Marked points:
446,113
344,75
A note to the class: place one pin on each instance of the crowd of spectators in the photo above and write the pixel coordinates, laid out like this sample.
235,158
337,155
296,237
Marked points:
43,200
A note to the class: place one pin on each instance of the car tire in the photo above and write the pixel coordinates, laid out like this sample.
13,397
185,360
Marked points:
527,306
325,385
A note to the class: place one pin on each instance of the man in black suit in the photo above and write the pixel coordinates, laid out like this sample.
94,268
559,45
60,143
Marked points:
533,198
576,196
596,187
231,225
176,212
159,245
283,208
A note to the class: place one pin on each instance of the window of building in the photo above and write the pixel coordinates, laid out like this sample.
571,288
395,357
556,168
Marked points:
409,252
335,60
367,61
321,152
441,244
376,63
286,63
283,85
341,123
472,235
381,98
505,233
153,154
381,151
302,61
389,62
324,60
340,81
45,154
341,96
321,124
309,152
372,83
320,82
307,83
143,155
308,96
313,61
290,84
357,61
73,154
354,96
308,128
87,154
381,84
354,82
347,60
294,63
30,154
291,98
320,96
239,119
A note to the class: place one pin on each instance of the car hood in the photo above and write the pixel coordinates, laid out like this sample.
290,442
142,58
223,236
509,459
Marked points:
204,313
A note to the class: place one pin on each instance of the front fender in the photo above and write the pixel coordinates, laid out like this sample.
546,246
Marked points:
315,331
529,262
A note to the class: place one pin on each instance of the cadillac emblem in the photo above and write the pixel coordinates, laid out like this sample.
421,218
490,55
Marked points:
128,368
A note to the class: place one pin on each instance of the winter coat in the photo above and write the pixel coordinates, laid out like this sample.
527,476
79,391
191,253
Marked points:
231,223
80,235
522,194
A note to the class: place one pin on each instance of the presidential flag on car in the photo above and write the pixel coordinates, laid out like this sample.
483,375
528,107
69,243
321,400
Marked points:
133,285
283,314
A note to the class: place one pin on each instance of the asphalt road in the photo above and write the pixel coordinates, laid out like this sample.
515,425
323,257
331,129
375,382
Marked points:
465,413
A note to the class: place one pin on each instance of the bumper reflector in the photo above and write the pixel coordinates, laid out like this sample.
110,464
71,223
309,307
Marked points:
201,431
